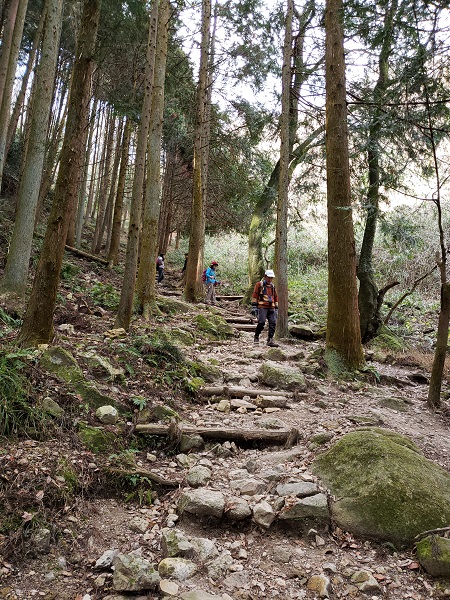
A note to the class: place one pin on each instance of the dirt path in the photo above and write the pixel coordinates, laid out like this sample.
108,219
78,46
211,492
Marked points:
277,562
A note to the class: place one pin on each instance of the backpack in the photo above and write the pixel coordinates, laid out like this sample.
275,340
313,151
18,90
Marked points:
204,275
158,262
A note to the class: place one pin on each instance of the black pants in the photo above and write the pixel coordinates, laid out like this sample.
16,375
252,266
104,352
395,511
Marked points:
270,315
160,274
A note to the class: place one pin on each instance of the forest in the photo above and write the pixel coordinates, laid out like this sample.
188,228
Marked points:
309,138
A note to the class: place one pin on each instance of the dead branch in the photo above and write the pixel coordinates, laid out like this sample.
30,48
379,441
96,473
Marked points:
78,252
148,474
408,293
419,536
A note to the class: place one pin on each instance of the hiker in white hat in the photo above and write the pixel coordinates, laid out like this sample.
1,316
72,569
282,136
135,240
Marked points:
265,306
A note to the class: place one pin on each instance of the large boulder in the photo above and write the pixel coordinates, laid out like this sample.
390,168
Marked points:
384,487
433,553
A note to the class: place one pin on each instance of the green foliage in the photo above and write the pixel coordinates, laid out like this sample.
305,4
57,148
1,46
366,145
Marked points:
140,402
105,295
68,271
17,413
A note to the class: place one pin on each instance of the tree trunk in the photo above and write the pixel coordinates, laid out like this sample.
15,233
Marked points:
113,254
12,36
343,343
125,309
440,353
368,301
18,106
149,250
193,290
15,276
37,325
283,182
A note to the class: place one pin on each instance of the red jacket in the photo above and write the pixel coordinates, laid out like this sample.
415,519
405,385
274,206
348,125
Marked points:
265,295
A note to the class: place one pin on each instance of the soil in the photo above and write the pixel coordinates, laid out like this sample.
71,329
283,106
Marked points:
273,563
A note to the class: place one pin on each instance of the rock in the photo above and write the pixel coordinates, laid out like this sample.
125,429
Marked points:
96,439
220,565
133,573
271,401
214,326
365,581
276,354
281,376
107,415
199,595
164,413
178,568
240,403
52,408
310,507
223,406
186,461
385,488
305,332
103,368
138,524
299,489
40,540
320,584
271,423
248,487
238,580
175,543
203,548
263,514
106,559
202,502
190,442
237,509
168,588
433,553
198,476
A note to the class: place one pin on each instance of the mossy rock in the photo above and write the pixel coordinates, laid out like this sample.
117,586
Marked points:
394,403
214,326
172,306
385,488
387,339
96,439
165,413
433,553
210,373
181,336
281,376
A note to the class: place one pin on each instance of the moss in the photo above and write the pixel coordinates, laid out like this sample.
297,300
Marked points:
394,403
181,336
433,553
165,413
281,376
209,373
214,326
387,339
384,487
171,306
96,439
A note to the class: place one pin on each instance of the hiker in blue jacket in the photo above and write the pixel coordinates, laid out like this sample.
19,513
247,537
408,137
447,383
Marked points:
210,283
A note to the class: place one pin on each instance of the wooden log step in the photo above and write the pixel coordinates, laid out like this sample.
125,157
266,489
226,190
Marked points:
244,320
238,392
229,297
243,327
288,437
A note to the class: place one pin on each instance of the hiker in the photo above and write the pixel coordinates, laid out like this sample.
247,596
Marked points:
160,267
209,278
265,306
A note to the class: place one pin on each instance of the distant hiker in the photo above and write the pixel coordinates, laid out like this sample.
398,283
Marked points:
210,281
265,306
160,267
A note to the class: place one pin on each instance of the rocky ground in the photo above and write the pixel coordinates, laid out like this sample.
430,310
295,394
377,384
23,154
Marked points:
237,547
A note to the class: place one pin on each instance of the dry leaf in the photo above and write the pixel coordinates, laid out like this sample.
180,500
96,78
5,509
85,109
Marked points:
27,516
40,495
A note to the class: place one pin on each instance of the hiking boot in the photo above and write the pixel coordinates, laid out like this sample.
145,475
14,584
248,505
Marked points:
256,339
271,343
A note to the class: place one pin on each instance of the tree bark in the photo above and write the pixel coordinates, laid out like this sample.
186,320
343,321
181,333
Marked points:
193,290
283,182
113,254
12,36
123,317
37,325
15,276
369,306
149,250
343,342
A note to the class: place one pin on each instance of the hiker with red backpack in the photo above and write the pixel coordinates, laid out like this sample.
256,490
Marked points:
265,306
210,281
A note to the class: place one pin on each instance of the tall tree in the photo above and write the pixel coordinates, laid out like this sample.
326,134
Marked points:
146,274
283,183
38,320
15,276
123,317
12,36
193,288
343,342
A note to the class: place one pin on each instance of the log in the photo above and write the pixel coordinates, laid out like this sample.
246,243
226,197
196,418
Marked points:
229,297
238,392
78,252
244,320
244,435
242,327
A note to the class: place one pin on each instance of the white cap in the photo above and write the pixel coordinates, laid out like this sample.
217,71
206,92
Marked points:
269,273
